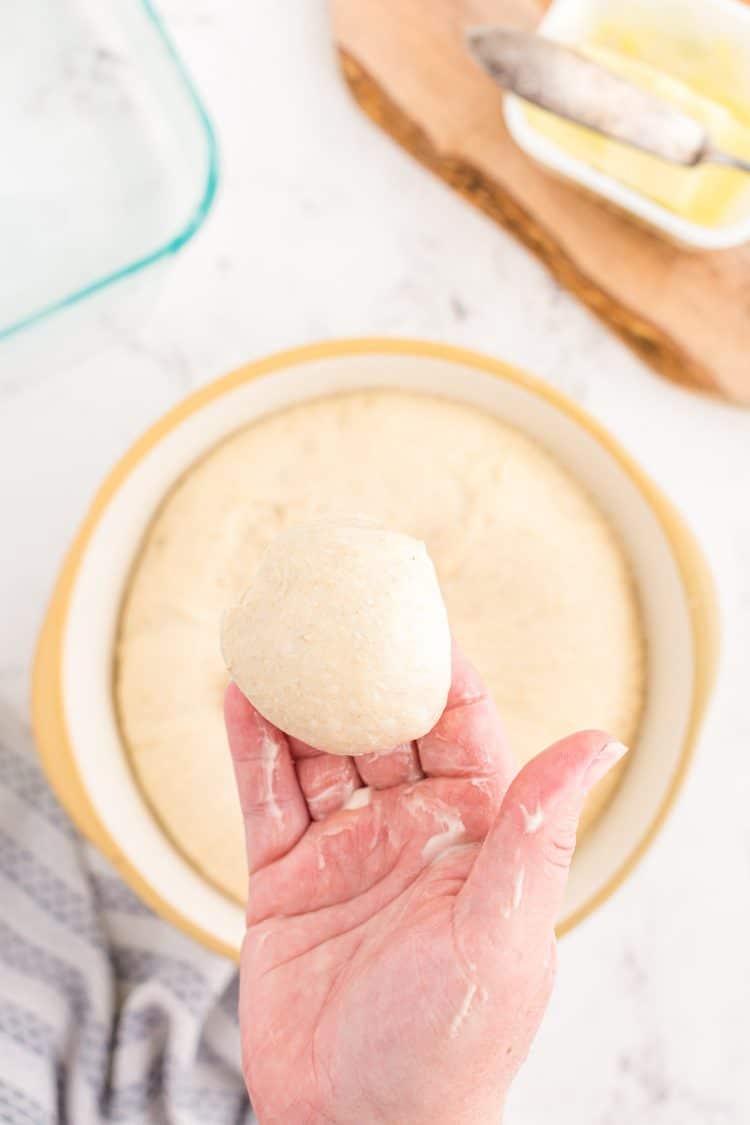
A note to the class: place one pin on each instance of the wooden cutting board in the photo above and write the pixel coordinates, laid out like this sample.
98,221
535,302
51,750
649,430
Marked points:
686,313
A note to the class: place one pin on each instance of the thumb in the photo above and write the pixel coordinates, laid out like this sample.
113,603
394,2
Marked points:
516,887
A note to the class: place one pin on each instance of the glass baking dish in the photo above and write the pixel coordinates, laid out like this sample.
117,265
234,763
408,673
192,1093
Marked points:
110,158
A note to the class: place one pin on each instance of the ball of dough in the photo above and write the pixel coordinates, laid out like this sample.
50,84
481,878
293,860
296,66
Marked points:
343,640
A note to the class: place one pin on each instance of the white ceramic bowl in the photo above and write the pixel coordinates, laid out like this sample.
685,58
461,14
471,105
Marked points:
73,711
700,24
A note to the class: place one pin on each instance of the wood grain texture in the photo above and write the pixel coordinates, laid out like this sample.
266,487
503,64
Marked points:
686,313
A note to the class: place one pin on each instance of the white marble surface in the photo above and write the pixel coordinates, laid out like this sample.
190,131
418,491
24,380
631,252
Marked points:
323,228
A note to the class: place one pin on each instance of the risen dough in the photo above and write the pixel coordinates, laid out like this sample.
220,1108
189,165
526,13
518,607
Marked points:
342,639
535,582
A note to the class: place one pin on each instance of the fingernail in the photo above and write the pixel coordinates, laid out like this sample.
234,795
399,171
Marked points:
610,753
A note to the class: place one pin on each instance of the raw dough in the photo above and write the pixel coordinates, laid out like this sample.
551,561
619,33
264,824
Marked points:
342,640
536,585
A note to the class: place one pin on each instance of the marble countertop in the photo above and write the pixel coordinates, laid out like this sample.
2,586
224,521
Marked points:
323,228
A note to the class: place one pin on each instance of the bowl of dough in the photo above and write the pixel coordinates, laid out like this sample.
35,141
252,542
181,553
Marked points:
568,578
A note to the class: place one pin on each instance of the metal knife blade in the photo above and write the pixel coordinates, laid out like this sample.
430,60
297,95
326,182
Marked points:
563,81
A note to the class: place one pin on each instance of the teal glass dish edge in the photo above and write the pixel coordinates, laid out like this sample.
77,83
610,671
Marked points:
186,232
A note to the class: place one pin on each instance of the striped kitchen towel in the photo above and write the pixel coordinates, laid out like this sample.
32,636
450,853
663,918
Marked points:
107,1014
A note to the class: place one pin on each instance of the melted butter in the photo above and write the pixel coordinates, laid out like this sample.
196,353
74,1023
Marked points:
710,195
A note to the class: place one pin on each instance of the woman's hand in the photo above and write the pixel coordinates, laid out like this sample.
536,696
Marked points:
400,953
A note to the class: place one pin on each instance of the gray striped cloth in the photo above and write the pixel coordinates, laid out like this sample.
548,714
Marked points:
107,1014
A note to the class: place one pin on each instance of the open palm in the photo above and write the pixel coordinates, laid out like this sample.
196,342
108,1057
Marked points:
400,944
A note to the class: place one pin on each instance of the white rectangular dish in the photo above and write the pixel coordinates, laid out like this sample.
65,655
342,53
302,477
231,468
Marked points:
697,25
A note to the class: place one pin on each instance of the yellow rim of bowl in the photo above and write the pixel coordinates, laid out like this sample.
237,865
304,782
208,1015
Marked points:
48,711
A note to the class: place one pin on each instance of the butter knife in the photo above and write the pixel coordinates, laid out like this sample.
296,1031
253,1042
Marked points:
565,82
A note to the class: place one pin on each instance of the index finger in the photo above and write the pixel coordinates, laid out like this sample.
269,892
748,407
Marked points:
468,739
